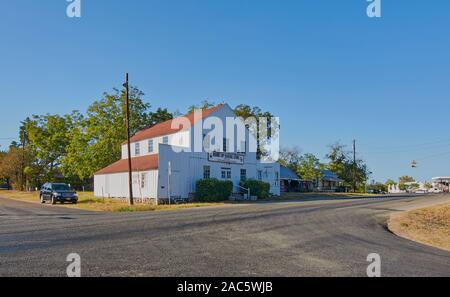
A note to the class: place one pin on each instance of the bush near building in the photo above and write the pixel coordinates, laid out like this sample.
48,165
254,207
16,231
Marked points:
257,188
213,190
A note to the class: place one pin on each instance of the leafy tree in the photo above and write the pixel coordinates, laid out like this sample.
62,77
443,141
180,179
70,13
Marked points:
389,183
378,187
404,180
205,104
47,137
160,115
246,111
97,137
428,186
354,174
290,157
13,164
3,179
309,167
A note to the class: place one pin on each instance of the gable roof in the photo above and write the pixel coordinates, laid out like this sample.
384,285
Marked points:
143,163
287,173
329,175
165,128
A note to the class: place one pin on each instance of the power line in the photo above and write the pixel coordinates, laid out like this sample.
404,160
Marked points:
412,149
435,155
411,145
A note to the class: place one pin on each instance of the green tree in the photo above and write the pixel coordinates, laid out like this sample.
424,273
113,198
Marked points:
380,187
428,186
205,104
13,164
160,115
309,167
341,163
290,157
245,111
390,182
97,137
3,178
47,137
404,180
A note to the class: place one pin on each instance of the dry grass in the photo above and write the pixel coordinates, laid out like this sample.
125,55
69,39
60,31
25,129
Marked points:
430,225
87,201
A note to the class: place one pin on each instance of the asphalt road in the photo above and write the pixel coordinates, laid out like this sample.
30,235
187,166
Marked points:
312,238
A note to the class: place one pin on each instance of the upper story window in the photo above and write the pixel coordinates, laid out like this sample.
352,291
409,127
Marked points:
259,174
137,148
166,140
150,146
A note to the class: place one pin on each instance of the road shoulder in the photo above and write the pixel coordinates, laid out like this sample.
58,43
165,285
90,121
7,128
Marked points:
429,225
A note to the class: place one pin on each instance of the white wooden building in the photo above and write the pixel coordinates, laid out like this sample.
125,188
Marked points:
165,145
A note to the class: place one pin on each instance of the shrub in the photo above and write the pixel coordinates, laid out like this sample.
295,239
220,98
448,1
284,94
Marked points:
211,190
258,188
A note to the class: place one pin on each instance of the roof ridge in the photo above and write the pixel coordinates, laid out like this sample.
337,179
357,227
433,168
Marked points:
208,111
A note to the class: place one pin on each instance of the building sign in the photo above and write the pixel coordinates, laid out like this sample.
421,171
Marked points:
222,157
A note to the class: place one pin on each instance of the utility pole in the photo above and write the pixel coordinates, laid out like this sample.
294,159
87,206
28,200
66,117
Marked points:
24,184
127,124
354,166
169,174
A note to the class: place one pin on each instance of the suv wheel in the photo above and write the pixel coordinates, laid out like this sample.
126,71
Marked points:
42,198
53,200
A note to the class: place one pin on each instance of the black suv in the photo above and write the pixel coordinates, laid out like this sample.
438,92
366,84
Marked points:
57,192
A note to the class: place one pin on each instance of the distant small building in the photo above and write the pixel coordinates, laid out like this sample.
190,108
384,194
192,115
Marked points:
441,183
329,182
289,180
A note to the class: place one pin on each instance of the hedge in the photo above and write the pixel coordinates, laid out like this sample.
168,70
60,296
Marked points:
210,190
258,188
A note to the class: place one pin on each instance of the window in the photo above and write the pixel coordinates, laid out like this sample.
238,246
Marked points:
206,172
277,178
150,146
259,174
137,149
166,139
226,173
243,174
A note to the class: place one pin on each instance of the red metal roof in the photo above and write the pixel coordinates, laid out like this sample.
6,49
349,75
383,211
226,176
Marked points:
143,163
165,128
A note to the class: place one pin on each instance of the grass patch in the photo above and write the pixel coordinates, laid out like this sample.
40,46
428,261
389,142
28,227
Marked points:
430,225
87,201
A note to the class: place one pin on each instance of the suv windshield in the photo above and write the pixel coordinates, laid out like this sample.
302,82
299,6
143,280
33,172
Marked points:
60,187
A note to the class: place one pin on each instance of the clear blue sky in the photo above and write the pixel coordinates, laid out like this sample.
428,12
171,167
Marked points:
326,69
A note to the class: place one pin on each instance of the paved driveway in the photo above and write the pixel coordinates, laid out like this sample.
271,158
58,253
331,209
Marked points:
313,238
